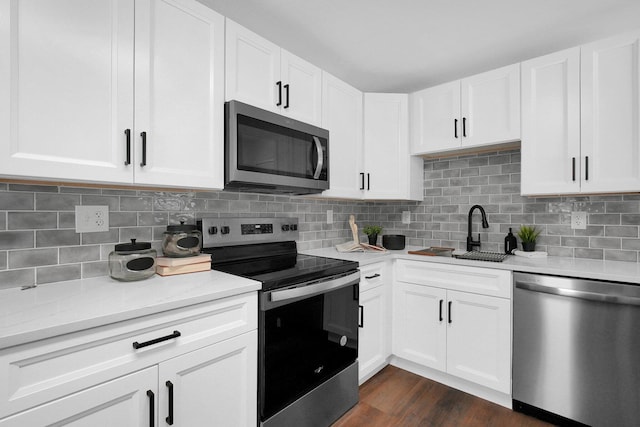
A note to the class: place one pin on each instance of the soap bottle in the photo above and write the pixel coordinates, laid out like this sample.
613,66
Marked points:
510,243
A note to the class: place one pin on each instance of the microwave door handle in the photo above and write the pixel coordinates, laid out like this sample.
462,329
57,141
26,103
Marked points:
316,175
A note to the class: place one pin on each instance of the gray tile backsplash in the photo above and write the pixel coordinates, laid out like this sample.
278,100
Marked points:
38,242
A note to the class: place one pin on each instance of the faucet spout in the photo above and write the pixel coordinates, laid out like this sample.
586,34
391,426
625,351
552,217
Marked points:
485,224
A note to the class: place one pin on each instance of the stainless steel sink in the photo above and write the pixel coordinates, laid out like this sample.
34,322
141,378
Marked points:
483,256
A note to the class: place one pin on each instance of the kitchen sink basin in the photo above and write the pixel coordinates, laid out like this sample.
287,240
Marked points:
483,256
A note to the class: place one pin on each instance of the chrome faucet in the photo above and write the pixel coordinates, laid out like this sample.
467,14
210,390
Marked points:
470,242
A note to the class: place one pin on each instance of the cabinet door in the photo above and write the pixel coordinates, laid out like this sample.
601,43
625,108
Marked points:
126,401
551,124
216,384
419,331
490,107
66,81
611,114
342,116
252,68
390,171
301,90
435,119
479,339
179,94
372,341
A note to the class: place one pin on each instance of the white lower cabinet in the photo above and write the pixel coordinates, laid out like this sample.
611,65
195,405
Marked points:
454,319
184,367
374,336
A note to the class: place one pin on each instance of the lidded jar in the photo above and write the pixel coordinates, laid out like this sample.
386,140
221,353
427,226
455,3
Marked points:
132,261
181,240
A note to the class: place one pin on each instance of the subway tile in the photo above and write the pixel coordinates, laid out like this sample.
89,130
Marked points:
621,231
32,257
630,219
631,244
78,254
588,253
56,202
58,273
33,188
604,219
470,172
123,219
591,230
478,180
490,170
31,220
80,190
16,201
479,161
16,278
623,207
3,260
95,269
219,205
47,238
605,242
67,220
560,251
616,255
3,220
16,239
110,236
96,200
138,203
575,242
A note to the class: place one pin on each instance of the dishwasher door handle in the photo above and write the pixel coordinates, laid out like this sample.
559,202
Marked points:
573,293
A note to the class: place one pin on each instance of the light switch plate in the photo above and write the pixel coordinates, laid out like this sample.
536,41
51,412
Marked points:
406,217
92,218
329,216
579,220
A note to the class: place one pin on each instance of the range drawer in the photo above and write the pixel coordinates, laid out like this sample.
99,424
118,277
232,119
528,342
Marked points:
41,371
484,281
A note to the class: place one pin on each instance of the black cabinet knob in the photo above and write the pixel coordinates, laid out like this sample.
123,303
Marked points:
285,227
213,230
224,229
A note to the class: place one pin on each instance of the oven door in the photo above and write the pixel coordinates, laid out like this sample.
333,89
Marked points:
308,334
266,149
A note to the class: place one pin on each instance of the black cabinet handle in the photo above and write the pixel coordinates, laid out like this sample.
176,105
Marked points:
144,149
138,345
449,312
573,168
464,127
441,301
586,168
279,84
372,276
368,182
362,180
152,407
455,128
169,419
286,102
361,316
127,132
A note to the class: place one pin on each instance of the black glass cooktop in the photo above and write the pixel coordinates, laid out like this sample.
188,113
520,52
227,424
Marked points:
276,265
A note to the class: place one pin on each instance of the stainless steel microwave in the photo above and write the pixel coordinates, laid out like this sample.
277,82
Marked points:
266,152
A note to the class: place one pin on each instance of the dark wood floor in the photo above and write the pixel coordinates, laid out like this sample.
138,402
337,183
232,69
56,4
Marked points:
395,397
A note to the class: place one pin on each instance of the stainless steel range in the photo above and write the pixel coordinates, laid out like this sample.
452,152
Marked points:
307,320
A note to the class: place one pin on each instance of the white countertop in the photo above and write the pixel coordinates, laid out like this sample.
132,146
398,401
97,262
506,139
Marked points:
618,271
63,307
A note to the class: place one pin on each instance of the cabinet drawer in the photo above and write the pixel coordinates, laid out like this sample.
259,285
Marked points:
484,281
372,276
41,371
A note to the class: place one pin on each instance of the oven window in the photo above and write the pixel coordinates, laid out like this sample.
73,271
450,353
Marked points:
268,148
304,344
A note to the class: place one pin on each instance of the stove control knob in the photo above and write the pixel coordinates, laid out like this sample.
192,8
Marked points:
285,227
213,230
293,227
224,229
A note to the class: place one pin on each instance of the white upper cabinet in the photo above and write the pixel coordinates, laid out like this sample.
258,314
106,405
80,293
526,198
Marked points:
390,172
179,101
69,79
610,127
342,116
66,80
259,73
581,116
480,110
551,123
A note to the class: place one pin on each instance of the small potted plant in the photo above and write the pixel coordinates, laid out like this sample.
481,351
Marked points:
372,232
528,235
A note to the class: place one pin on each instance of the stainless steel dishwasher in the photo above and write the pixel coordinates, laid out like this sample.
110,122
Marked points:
576,350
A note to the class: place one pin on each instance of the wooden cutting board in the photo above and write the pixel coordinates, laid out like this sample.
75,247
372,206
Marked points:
433,251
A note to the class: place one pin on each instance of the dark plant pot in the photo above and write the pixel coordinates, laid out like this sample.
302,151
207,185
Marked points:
528,246
373,239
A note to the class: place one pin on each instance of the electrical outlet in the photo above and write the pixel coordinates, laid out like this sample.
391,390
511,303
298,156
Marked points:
92,218
329,216
579,220
406,217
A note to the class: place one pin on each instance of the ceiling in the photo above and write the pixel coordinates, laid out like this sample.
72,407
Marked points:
406,45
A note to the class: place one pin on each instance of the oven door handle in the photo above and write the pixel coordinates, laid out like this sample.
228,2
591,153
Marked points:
315,288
